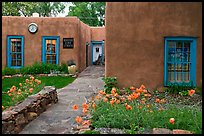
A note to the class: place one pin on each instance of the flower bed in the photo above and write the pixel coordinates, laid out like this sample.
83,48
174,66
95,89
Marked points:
15,118
138,110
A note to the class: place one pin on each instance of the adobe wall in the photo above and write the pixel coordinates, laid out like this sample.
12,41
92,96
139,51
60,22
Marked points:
135,39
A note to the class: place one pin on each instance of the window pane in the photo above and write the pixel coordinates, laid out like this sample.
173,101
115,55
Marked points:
186,76
19,62
13,62
170,73
171,51
19,55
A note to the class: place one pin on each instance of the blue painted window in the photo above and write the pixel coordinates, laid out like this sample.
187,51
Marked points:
15,51
50,49
180,60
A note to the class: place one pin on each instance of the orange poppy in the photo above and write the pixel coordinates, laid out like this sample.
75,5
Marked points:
39,82
132,88
116,95
86,122
107,95
20,84
158,100
9,94
139,90
11,90
128,107
112,102
117,102
140,107
105,99
84,105
102,92
145,91
191,92
31,90
26,80
122,99
75,107
113,91
147,95
129,97
32,78
142,87
150,111
142,102
84,110
19,91
94,105
172,120
78,119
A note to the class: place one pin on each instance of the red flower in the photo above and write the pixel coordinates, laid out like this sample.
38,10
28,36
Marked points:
132,88
84,105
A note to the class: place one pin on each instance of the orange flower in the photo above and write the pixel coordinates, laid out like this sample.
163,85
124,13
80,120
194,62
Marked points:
147,95
39,82
78,119
138,90
85,110
145,91
117,102
86,122
148,106
140,107
112,102
98,97
191,92
31,90
20,84
128,107
142,87
122,99
102,92
84,105
172,120
26,80
158,100
135,95
163,101
19,91
75,107
32,78
113,91
105,99
11,90
160,109
9,94
107,95
116,95
129,97
150,111
94,105
132,88
2,108
142,102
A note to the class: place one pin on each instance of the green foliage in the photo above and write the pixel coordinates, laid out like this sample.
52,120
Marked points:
91,13
63,68
9,71
45,9
91,132
110,82
181,89
186,118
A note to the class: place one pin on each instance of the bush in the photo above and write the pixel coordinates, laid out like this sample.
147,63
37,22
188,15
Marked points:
110,82
9,71
180,88
63,68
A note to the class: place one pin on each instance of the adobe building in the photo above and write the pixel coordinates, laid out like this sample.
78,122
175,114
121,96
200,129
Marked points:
55,40
154,43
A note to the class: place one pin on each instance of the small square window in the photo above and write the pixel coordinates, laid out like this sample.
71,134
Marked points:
97,49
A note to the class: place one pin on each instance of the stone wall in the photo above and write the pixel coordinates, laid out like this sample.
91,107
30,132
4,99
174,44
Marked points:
17,117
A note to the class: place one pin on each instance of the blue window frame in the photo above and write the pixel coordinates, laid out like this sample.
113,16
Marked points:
180,60
15,51
93,43
50,49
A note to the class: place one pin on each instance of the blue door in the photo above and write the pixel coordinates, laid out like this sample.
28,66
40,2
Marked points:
50,49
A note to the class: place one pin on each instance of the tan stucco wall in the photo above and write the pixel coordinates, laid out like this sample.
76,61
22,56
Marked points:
64,27
135,39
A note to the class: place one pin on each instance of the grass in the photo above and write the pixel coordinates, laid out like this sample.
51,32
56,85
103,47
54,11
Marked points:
7,83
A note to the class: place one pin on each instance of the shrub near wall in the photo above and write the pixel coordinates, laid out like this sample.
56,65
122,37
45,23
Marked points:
36,68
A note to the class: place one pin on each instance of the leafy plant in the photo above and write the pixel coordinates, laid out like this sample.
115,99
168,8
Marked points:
91,132
181,89
110,82
9,71
63,68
